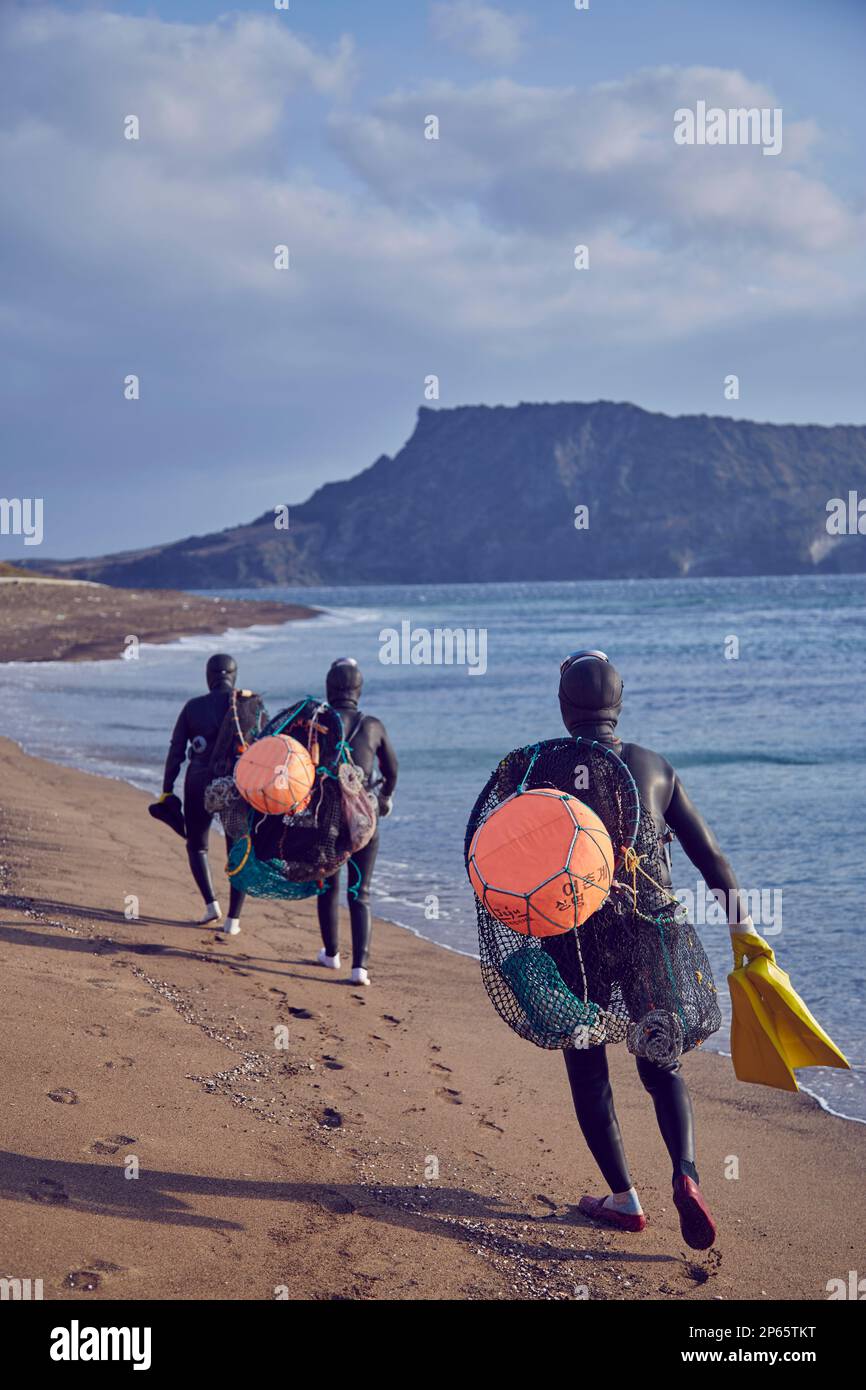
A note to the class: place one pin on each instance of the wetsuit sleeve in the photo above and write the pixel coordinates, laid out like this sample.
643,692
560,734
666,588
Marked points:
387,762
176,752
703,849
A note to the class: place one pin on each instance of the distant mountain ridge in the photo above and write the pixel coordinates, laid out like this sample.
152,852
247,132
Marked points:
488,493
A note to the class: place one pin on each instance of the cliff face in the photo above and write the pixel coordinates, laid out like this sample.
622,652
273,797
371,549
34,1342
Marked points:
489,493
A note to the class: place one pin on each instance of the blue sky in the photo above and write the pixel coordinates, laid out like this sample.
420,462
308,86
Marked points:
408,257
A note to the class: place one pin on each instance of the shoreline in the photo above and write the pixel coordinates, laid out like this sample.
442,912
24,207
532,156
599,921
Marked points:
414,931
403,1145
43,620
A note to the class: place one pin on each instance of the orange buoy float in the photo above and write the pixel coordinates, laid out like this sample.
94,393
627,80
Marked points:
276,775
542,862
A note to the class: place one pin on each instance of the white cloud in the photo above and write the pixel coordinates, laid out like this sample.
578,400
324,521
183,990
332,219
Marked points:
205,94
469,235
480,31
551,160
408,257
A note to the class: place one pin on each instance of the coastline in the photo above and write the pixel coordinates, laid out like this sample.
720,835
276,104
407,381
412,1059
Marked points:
71,620
309,1168
473,956
240,614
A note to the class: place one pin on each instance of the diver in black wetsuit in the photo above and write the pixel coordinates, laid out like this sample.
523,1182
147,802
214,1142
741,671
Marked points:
590,700
369,744
196,729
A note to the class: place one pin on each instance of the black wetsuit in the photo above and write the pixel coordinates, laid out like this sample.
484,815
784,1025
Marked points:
666,799
370,745
196,729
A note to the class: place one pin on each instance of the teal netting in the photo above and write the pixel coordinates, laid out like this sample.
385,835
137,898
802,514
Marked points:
283,856
264,879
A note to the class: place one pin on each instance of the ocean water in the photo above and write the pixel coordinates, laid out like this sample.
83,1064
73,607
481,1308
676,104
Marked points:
771,744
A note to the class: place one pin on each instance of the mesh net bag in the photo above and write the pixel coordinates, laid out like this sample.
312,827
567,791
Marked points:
290,856
635,971
266,878
223,798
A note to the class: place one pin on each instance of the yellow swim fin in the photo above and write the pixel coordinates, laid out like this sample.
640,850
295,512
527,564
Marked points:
756,1050
772,1030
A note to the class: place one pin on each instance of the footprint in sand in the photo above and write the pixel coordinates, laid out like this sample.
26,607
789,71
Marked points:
336,1202
488,1124
453,1097
63,1096
83,1280
389,1018
331,1118
48,1190
123,1062
374,1037
546,1201
360,998
145,1013
96,1030
112,1143
331,1063
301,1013
439,1066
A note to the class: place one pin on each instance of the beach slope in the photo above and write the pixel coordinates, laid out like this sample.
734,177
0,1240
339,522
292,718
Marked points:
184,1119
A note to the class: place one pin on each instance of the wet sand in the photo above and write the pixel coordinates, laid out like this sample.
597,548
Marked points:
391,1143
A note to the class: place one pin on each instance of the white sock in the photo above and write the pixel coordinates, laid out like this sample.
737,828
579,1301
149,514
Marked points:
212,912
329,962
232,926
360,977
627,1202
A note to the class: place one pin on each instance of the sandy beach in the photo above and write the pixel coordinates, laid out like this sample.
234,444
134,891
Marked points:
163,1139
71,620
